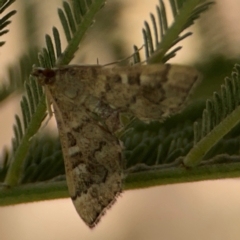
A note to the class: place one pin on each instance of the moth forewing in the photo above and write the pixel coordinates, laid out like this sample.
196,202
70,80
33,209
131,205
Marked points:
149,92
87,101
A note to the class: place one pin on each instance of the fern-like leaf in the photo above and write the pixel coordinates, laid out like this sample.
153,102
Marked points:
75,20
33,106
4,21
33,110
143,145
158,44
222,113
18,73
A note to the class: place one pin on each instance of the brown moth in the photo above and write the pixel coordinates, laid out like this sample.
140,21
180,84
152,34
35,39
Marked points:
87,101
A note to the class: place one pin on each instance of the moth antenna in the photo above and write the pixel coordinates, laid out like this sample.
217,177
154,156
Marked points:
124,59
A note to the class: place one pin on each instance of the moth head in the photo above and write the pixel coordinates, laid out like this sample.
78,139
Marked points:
45,76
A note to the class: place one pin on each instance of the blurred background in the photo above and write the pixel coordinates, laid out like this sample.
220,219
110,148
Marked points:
201,210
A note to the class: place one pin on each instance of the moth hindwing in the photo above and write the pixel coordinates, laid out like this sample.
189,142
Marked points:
87,101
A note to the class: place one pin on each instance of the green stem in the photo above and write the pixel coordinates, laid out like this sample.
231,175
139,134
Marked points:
15,168
202,147
55,190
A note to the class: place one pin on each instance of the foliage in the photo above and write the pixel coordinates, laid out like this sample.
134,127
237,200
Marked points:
165,147
4,21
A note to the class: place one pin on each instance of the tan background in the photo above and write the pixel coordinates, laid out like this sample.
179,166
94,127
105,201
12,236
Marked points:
202,210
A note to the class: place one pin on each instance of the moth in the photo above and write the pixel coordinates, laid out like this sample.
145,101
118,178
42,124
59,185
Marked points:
87,102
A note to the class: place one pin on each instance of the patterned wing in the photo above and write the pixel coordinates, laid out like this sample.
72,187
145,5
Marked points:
92,154
87,100
149,92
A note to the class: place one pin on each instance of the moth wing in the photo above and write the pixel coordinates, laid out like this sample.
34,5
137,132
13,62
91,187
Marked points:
93,161
92,154
149,92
